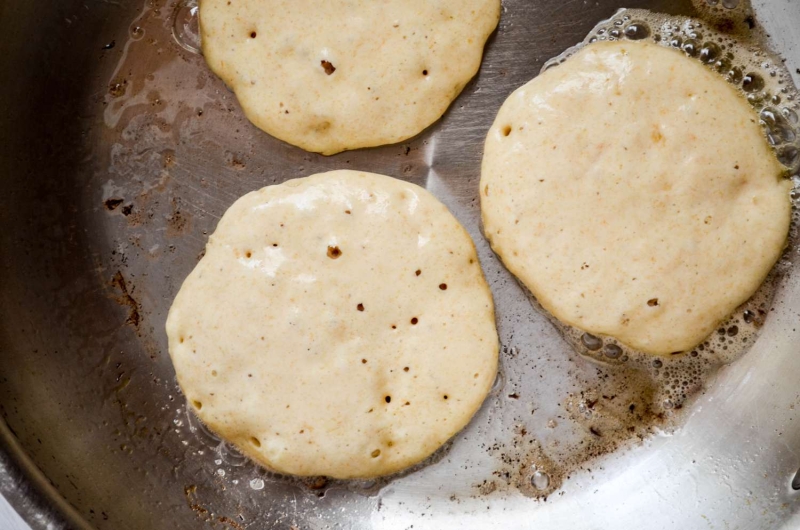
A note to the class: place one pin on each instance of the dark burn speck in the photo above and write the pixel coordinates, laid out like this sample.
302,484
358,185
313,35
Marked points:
328,67
112,204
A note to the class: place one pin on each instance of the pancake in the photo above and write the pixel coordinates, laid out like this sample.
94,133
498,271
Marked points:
338,325
632,190
343,74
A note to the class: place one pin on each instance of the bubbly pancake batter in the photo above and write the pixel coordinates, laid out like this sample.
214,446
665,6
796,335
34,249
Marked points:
343,74
632,190
337,325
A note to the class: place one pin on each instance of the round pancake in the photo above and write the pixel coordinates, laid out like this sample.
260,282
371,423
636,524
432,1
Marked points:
633,192
338,325
343,74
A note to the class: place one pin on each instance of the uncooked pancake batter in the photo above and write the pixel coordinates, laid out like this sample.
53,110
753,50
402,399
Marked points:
632,190
337,325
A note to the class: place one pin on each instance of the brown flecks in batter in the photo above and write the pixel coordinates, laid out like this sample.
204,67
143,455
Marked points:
328,67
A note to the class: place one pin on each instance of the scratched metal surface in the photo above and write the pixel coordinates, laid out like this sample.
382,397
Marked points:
96,435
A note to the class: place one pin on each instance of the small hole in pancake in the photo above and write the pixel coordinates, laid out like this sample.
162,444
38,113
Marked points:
424,72
414,321
327,66
253,34
443,286
652,302
255,441
376,453
334,252
406,369
394,327
796,481
360,307
507,130
248,254
388,399
274,244
445,396
418,272
197,404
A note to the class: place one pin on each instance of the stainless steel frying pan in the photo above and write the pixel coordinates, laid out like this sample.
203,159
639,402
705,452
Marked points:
118,153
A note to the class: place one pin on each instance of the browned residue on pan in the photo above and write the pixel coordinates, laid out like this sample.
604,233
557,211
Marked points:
125,298
204,514
178,222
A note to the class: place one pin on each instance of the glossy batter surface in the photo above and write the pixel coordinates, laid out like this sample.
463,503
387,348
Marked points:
343,74
337,325
633,192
